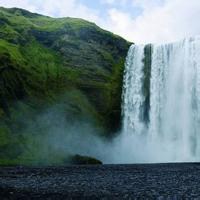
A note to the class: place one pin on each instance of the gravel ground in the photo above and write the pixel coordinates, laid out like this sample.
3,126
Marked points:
156,181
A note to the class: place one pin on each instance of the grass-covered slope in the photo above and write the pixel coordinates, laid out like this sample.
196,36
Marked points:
65,63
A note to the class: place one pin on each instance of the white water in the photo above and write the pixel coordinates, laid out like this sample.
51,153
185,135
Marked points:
133,98
173,131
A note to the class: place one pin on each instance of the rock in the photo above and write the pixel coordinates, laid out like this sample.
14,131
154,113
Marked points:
84,160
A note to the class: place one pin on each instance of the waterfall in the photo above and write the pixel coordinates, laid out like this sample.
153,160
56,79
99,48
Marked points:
133,98
172,131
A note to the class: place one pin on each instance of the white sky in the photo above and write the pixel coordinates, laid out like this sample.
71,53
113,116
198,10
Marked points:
139,21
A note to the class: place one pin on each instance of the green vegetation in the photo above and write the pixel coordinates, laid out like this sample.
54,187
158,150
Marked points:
67,63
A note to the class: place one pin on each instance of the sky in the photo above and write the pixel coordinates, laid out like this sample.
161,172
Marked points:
139,21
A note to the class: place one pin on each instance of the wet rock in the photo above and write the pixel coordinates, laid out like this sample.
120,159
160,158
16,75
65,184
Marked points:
84,160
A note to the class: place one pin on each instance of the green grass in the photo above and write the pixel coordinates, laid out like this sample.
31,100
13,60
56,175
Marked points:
12,50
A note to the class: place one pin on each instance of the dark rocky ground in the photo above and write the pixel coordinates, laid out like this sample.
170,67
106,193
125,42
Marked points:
158,181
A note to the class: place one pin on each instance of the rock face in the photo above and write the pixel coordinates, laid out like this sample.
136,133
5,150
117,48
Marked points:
67,62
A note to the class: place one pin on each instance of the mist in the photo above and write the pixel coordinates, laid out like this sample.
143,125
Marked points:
52,136
61,139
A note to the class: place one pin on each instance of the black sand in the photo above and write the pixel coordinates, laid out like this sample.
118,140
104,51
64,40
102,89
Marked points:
157,181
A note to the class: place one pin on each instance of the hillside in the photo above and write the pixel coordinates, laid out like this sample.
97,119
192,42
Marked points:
51,68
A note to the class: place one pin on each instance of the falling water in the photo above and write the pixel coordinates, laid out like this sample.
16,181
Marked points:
172,130
133,98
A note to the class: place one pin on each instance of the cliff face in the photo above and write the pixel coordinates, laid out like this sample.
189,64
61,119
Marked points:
67,62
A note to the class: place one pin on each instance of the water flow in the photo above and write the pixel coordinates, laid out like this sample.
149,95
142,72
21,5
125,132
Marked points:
173,130
132,93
